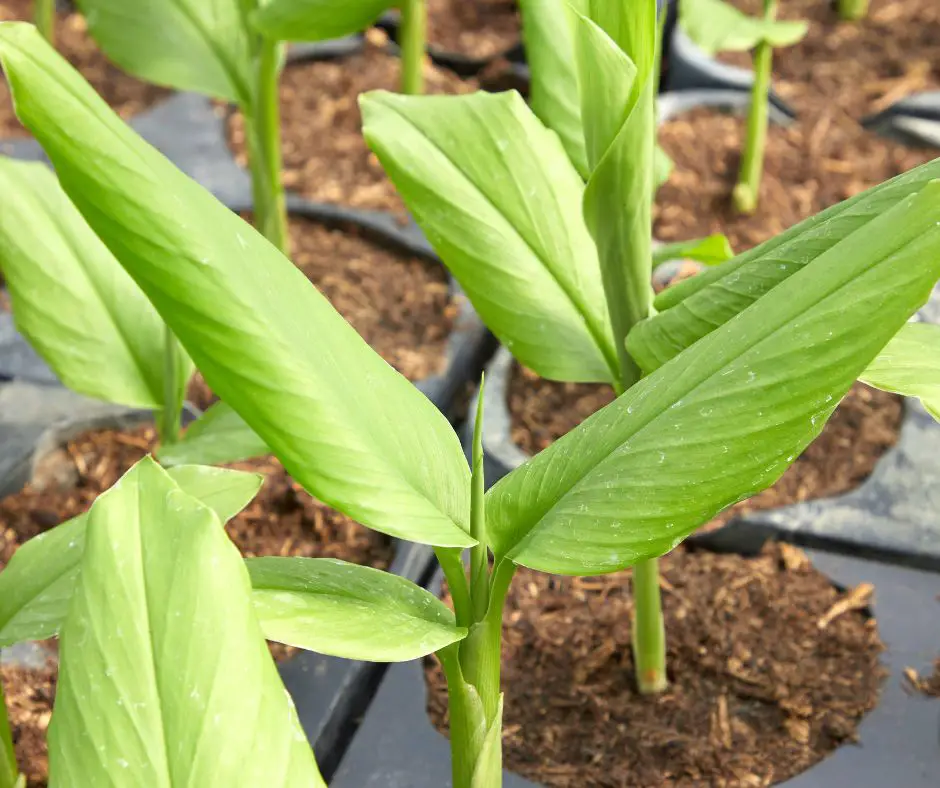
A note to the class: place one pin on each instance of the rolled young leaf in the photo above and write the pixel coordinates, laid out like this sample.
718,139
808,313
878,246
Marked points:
316,20
72,300
337,608
910,365
717,26
499,200
220,435
347,426
725,418
691,309
164,676
39,580
183,44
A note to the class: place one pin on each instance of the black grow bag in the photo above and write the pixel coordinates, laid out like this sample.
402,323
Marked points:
397,747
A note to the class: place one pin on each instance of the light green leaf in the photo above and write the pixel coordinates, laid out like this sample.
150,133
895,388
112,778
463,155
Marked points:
725,418
717,26
553,94
499,200
72,300
183,44
488,770
219,436
317,20
38,582
662,167
347,426
333,607
164,676
910,365
711,250
692,308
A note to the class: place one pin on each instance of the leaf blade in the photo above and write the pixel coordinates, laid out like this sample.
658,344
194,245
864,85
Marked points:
219,436
910,365
317,20
717,26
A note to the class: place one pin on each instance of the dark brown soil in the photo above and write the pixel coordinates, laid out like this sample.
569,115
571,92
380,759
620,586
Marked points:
771,668
808,167
325,157
863,427
29,696
859,67
475,28
125,94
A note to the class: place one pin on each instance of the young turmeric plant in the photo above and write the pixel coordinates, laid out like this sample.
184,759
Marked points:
742,367
717,26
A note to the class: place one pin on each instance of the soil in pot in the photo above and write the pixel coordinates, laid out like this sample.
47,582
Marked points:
401,305
128,96
477,29
767,675
29,694
808,167
325,157
863,427
860,67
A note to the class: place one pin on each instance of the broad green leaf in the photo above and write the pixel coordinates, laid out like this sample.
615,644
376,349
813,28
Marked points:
347,426
183,44
500,202
692,308
317,20
164,676
38,582
553,94
910,365
725,418
220,435
72,300
717,26
711,250
356,612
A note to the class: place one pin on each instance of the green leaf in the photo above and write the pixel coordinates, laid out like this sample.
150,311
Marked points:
711,250
219,436
500,202
348,427
662,167
183,44
488,769
38,582
72,300
553,94
910,365
333,607
692,308
717,26
164,676
317,20
725,418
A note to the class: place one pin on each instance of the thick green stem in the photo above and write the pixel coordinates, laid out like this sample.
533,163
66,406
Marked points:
649,633
9,772
752,160
170,417
264,147
44,17
412,39
853,10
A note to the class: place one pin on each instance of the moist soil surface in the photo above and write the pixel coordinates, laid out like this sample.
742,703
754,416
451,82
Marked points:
476,29
768,674
325,156
862,428
809,166
283,520
860,67
128,96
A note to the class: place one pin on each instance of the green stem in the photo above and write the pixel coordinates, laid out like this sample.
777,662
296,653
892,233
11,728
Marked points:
752,161
263,132
649,633
479,557
44,17
451,563
412,39
172,407
853,10
9,772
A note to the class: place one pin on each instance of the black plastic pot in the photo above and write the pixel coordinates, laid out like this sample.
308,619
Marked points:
912,120
396,746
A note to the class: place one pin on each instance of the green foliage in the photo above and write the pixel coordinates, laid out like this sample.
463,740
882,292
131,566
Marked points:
72,300
713,250
219,436
717,26
164,676
9,771
317,20
910,365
